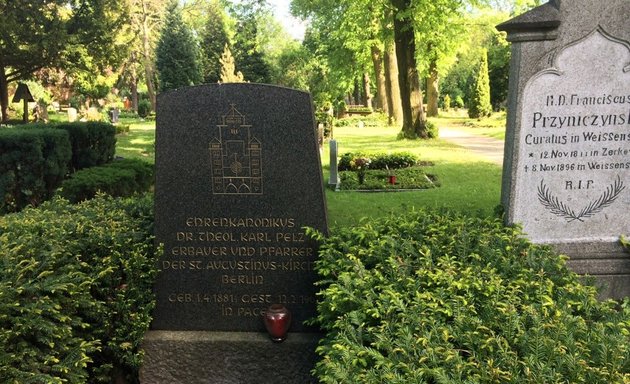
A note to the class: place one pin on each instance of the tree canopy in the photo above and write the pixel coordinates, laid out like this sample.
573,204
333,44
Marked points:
77,35
397,56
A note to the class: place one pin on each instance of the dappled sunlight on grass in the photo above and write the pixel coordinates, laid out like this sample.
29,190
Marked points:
139,142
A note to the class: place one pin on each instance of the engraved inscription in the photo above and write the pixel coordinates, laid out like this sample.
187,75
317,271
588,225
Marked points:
239,252
574,153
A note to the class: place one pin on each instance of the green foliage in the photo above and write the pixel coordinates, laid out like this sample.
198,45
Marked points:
144,108
120,178
459,102
75,290
434,297
213,38
479,105
480,35
446,103
394,160
432,130
93,143
248,53
33,162
498,69
73,35
177,57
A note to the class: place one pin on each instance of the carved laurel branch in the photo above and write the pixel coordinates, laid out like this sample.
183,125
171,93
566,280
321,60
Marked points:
560,208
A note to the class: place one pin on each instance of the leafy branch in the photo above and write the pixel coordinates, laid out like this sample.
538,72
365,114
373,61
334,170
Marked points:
560,208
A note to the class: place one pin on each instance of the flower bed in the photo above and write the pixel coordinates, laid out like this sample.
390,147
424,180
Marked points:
377,180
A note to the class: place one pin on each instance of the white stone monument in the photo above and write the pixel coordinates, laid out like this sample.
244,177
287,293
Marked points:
567,167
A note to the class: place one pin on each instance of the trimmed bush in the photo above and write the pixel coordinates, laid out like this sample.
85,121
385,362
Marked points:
120,178
443,298
93,143
479,105
75,291
33,162
395,160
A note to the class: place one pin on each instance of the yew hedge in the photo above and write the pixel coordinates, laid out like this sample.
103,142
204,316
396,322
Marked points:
75,290
433,297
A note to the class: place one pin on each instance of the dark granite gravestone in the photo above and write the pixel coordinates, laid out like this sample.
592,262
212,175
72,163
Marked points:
566,168
238,177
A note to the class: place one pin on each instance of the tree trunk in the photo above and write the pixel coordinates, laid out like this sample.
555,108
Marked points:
377,60
391,85
4,95
146,57
433,92
367,94
414,118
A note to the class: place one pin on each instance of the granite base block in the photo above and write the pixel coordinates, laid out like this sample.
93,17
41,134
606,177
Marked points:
607,262
191,357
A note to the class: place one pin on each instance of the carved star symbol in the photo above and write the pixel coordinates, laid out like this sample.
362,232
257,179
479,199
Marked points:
531,154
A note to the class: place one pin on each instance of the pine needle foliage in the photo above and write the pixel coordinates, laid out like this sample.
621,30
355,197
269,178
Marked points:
75,290
436,297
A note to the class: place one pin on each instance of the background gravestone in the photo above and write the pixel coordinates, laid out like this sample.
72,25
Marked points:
567,166
238,177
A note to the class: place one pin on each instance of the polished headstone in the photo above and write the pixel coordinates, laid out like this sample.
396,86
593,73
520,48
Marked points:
238,178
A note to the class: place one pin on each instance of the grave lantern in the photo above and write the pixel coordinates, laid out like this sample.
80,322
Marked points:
22,93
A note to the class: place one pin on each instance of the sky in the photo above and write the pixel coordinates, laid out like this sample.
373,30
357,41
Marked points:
293,26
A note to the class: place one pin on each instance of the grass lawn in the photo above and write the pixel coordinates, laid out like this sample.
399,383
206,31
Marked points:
469,183
139,142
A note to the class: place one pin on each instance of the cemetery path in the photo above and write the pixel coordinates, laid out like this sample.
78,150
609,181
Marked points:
488,147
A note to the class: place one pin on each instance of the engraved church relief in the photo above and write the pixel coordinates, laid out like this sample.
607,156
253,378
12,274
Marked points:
236,156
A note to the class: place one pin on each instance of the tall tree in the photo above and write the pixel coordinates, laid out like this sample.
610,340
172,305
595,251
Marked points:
480,93
247,50
177,57
392,87
38,34
214,38
414,119
146,20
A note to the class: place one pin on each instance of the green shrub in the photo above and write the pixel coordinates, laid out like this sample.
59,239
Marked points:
443,298
121,128
446,103
379,160
479,105
459,102
144,108
75,290
33,162
93,143
120,178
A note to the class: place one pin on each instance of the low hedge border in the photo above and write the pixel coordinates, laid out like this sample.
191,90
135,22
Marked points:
120,178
